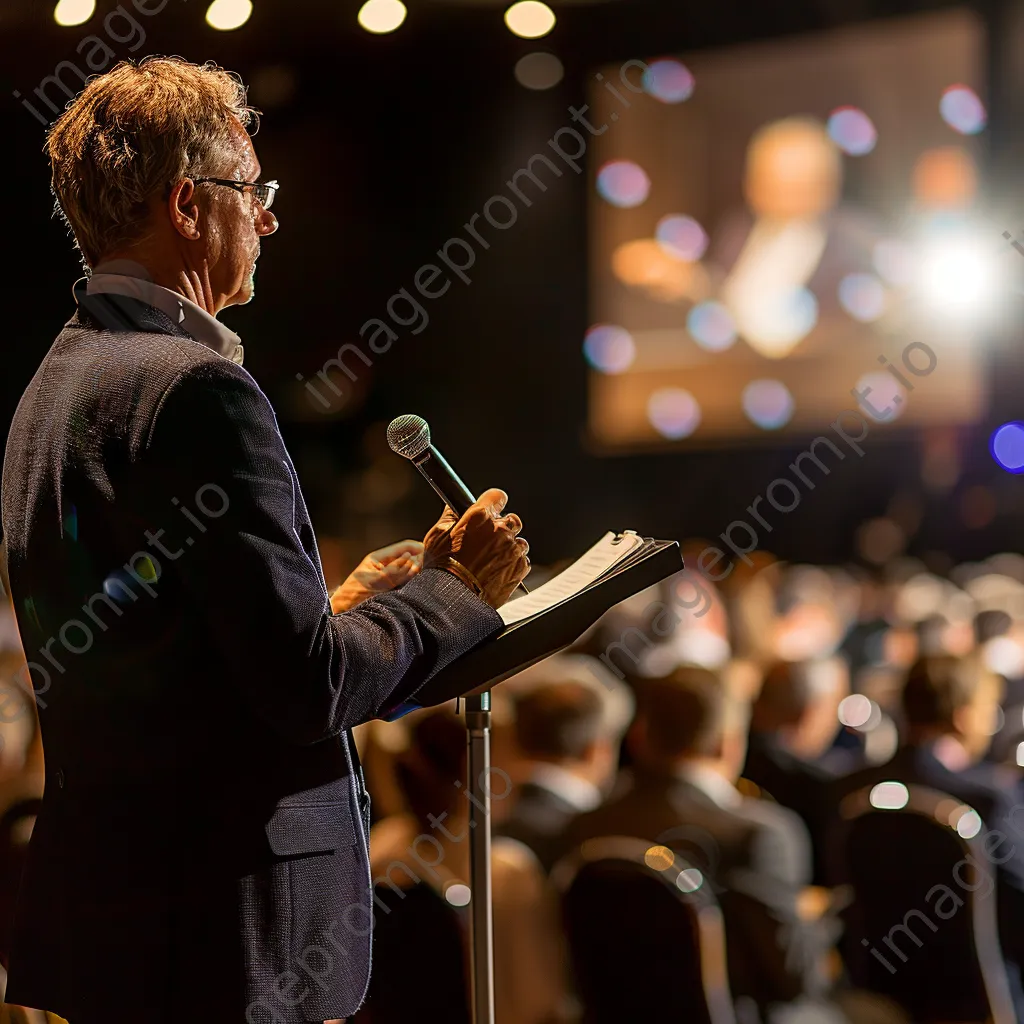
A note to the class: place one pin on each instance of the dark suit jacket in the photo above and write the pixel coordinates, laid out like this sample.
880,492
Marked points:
201,850
800,785
538,819
757,859
980,788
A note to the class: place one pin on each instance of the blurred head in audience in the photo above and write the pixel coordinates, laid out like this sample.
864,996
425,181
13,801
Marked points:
434,761
569,711
690,717
799,704
951,698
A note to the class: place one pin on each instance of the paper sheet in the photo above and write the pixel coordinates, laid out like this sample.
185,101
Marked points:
587,569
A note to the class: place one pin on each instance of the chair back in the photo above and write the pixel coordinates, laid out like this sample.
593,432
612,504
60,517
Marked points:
645,935
921,926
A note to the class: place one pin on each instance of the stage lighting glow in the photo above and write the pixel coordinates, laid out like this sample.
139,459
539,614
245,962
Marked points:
381,16
881,391
962,110
659,858
855,710
889,796
689,880
681,237
73,12
457,894
623,183
711,326
852,131
530,19
539,71
767,403
1007,446
668,80
609,349
226,15
774,323
968,824
673,412
894,261
862,296
957,276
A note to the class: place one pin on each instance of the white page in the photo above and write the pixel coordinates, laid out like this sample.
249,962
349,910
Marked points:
585,570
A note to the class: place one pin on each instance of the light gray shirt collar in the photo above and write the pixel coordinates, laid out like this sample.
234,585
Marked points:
185,313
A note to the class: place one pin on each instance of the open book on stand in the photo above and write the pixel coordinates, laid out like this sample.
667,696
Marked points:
555,615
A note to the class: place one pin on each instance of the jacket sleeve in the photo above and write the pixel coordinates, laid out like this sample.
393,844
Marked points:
219,475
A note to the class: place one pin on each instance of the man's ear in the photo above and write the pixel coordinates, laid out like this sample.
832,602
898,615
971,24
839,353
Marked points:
183,209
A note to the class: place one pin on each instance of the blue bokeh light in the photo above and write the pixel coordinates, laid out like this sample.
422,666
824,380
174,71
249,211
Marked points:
623,183
1007,445
668,80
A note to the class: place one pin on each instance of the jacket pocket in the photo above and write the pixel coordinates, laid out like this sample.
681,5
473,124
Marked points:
317,820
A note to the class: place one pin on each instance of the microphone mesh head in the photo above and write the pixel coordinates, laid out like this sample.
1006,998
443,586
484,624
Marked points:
409,436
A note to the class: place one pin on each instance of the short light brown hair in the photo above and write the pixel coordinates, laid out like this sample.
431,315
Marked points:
133,133
938,686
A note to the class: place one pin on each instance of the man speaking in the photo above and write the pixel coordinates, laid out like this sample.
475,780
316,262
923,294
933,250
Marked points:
201,851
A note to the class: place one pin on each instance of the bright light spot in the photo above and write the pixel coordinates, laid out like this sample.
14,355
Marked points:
1007,445
380,16
956,276
767,403
539,71
1020,754
777,321
668,81
881,396
623,183
608,348
889,796
673,412
660,858
228,14
855,710
1004,655
689,880
73,12
530,19
711,326
682,237
894,261
852,131
962,110
862,296
457,894
969,824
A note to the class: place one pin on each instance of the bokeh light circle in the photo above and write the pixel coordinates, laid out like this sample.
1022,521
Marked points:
1007,446
768,404
608,348
852,131
711,326
881,392
682,237
539,71
894,261
623,183
668,80
962,110
530,19
673,412
862,296
381,16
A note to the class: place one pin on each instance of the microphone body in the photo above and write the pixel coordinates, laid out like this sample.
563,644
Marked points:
444,480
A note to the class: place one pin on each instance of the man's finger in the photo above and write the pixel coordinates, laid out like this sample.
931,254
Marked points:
396,550
494,499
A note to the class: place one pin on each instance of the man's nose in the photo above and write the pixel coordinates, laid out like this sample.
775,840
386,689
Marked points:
266,223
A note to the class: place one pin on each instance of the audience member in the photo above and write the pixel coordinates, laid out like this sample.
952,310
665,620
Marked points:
950,709
570,714
793,723
688,743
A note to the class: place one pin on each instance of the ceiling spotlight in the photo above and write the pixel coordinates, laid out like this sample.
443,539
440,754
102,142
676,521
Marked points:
380,16
226,15
530,19
73,12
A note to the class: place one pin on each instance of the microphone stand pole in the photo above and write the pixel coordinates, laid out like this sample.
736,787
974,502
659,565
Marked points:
478,725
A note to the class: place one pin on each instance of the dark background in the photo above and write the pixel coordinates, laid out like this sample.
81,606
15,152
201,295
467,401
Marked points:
384,148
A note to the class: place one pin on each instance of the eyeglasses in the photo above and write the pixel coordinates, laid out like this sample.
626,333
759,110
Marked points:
264,191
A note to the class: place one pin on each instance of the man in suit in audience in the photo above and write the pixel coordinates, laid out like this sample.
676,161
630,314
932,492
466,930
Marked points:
570,714
793,722
688,742
950,711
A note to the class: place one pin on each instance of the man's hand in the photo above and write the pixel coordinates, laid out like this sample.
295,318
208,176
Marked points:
485,542
379,572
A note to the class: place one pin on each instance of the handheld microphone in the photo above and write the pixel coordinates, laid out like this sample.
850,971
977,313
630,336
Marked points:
409,436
